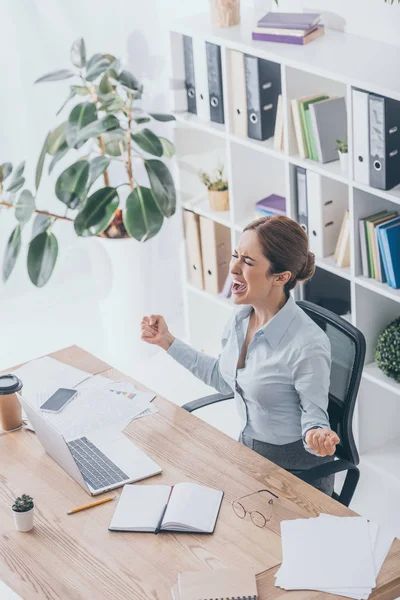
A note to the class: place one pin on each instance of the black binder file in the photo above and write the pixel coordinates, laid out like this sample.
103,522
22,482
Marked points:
384,142
263,87
190,81
214,72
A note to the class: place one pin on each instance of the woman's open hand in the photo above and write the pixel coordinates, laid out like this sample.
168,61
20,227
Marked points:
155,331
323,441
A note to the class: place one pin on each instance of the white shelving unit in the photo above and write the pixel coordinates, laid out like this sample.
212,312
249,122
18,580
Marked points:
334,64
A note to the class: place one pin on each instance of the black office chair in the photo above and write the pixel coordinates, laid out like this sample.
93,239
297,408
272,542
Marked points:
348,353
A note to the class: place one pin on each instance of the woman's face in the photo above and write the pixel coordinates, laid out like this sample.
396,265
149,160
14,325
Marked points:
252,283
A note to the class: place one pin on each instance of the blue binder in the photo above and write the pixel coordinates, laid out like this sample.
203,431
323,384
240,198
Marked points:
390,241
382,254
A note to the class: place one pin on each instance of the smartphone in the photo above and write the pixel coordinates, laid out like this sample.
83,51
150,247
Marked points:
58,400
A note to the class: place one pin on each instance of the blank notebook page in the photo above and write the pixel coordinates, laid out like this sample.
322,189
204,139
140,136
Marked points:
193,507
140,507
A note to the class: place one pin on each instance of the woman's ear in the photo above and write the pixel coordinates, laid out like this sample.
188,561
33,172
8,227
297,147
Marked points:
281,279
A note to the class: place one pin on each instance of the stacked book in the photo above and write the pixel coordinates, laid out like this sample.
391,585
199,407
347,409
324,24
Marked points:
380,247
271,206
289,28
319,122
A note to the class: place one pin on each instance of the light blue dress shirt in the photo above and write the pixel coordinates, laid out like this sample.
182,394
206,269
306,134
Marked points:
282,391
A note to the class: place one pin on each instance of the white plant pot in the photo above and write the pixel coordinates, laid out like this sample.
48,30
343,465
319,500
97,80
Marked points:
133,279
344,161
24,520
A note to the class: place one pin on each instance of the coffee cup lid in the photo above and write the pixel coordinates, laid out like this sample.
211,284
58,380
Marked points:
9,384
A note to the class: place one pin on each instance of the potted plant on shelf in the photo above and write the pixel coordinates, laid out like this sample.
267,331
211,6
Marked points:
23,510
105,127
217,186
387,351
343,150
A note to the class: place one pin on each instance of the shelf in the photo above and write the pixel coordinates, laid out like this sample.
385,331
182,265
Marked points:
329,264
335,55
193,120
373,373
331,169
226,302
201,206
380,288
267,146
385,459
392,195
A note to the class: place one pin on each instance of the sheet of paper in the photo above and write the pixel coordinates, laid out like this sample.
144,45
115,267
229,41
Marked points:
7,594
306,567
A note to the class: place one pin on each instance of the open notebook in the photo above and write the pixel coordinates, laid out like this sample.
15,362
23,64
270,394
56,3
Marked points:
190,508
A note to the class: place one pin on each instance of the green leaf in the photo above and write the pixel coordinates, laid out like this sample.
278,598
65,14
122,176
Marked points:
162,186
17,180
24,207
12,250
141,120
61,152
168,147
80,90
96,128
5,170
113,140
142,218
56,76
97,213
97,167
42,256
81,115
78,53
148,142
105,86
41,223
70,96
128,80
56,138
71,184
40,162
162,117
96,66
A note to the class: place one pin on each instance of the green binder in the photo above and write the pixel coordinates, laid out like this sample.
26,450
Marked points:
306,125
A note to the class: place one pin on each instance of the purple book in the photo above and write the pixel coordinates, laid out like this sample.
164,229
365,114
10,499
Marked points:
289,39
274,204
282,20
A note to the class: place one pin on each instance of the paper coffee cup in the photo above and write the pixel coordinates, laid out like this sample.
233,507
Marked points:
10,407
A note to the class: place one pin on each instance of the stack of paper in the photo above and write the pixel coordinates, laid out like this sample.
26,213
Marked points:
99,403
338,555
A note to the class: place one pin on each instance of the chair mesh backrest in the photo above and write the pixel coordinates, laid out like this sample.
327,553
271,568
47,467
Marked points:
347,352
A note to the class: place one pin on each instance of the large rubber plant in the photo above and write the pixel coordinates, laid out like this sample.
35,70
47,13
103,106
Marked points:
106,124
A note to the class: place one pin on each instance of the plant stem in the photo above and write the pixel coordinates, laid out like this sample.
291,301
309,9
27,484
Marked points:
39,212
129,166
95,100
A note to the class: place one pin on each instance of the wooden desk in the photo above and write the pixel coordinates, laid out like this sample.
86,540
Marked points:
76,557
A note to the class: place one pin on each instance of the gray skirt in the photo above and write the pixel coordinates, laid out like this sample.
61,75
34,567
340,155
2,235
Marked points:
294,458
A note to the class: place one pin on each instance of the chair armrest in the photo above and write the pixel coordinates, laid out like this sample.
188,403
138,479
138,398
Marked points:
330,468
206,401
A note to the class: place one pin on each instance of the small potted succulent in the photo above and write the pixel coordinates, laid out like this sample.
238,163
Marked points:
217,187
343,150
23,509
387,351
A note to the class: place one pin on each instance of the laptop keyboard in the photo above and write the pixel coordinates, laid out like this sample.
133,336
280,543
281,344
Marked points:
97,470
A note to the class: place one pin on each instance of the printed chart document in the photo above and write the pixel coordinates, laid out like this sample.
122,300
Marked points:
190,508
100,402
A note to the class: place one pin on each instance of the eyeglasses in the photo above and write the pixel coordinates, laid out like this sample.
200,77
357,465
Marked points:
256,516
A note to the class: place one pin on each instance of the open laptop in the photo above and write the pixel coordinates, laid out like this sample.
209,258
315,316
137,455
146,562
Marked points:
100,461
